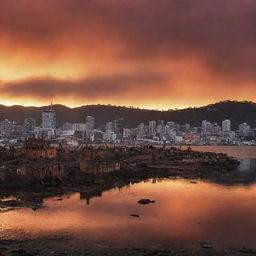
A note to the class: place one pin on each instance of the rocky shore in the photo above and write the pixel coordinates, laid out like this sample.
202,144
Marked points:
137,165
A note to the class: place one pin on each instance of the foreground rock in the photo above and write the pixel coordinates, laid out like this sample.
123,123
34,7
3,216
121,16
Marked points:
146,201
135,215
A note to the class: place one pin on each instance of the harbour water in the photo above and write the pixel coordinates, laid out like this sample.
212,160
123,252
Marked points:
220,212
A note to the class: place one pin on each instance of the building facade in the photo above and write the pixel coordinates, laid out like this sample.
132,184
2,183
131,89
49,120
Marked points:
49,119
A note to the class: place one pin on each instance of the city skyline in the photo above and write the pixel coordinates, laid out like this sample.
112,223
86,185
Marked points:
115,131
147,54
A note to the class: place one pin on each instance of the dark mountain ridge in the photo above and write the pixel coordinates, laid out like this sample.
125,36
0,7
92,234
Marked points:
237,112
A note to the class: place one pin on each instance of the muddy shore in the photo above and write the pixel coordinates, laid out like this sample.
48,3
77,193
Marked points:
52,246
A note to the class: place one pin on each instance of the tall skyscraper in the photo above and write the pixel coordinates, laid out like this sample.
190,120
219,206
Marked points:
152,127
90,123
49,119
244,129
226,125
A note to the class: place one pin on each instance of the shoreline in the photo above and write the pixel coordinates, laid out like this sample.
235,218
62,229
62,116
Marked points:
137,165
91,185
53,246
94,184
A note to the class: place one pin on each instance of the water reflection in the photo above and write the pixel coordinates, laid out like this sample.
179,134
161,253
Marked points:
221,212
247,165
87,195
183,213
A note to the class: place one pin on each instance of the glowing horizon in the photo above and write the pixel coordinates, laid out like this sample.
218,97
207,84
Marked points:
164,55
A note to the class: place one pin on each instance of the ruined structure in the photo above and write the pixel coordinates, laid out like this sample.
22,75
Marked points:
99,161
41,170
35,161
39,161
39,148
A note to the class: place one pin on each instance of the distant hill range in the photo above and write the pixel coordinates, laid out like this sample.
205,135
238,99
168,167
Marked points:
237,112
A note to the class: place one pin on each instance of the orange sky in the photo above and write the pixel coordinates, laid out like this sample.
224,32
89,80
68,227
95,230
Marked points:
153,54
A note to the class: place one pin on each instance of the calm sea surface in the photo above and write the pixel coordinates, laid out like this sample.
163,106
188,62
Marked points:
221,212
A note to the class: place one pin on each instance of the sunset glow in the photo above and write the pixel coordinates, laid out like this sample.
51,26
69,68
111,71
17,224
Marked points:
148,54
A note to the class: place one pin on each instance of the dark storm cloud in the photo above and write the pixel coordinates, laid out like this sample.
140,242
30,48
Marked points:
215,39
88,88
220,32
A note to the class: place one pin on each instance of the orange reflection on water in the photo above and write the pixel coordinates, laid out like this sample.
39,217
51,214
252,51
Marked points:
183,212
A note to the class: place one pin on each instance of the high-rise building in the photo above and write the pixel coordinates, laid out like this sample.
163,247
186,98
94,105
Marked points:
49,119
119,125
29,124
109,127
140,131
244,130
152,127
79,127
216,129
90,123
90,126
126,133
226,125
160,128
207,127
